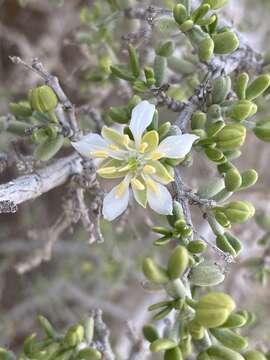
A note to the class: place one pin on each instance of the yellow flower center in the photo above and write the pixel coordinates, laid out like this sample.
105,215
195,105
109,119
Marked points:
137,184
148,169
143,147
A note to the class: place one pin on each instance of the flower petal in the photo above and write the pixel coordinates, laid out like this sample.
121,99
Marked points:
151,138
177,146
159,198
161,175
90,143
116,202
142,116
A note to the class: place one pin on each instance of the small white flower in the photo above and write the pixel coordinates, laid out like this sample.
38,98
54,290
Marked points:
136,162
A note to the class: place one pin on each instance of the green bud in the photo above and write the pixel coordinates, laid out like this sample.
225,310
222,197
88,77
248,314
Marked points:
166,49
241,110
223,353
122,73
239,211
186,26
197,246
21,108
220,89
262,132
214,309
178,262
154,272
232,154
198,120
47,149
89,354
241,86
230,339
173,354
74,335
206,275
215,128
233,180
134,61
161,230
119,115
258,86
160,68
47,327
234,242
206,49
225,42
43,99
135,100
231,136
180,13
234,321
164,129
162,345
216,4
222,219
254,355
150,333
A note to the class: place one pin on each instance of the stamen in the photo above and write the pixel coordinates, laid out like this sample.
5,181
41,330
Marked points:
114,147
143,147
107,170
157,155
121,188
152,185
138,185
125,139
148,169
102,154
125,168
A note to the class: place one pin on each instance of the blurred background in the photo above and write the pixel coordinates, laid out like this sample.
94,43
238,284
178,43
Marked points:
81,276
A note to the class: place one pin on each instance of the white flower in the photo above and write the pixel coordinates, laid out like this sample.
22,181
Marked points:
136,161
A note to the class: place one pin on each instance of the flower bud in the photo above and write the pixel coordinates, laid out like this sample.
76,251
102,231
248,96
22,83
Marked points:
47,327
231,136
223,353
215,155
241,110
186,26
154,272
196,330
239,211
180,13
177,213
173,354
225,42
150,333
89,354
215,128
214,309
216,4
222,218
230,339
233,180
119,115
254,355
220,89
162,345
198,120
197,246
43,99
74,335
134,61
166,49
258,86
178,262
